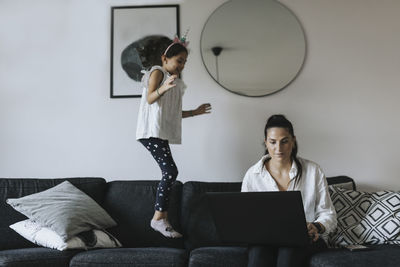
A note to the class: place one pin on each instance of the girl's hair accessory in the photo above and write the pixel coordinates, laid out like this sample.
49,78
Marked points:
182,41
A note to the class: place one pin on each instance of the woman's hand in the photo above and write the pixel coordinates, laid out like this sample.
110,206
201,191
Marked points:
312,232
202,109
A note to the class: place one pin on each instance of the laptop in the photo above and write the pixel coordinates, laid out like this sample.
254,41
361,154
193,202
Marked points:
259,218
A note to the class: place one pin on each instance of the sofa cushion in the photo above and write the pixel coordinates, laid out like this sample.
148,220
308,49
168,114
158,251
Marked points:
46,237
64,209
131,205
15,188
131,257
365,218
198,225
43,257
219,257
381,255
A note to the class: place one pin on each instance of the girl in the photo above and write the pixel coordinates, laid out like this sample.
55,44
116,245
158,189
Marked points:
159,123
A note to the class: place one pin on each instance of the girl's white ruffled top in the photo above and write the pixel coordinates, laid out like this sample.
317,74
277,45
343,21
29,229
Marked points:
163,118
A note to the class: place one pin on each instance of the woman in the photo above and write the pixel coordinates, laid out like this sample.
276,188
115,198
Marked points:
281,170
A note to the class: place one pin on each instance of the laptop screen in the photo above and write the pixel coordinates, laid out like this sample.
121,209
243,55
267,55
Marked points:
259,218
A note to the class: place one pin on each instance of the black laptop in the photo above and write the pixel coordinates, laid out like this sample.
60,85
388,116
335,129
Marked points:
259,218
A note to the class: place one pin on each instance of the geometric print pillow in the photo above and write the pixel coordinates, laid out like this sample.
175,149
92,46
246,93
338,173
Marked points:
365,218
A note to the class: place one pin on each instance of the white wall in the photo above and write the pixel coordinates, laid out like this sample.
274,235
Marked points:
57,119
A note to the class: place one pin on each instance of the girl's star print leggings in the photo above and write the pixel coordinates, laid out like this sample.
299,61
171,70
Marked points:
161,152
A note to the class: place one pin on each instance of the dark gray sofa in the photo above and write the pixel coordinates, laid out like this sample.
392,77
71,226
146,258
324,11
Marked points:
130,203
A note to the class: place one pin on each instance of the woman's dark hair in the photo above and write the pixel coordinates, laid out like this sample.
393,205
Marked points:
280,121
175,49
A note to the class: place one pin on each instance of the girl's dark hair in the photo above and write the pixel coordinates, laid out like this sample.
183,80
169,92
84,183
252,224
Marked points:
146,52
174,50
151,48
280,121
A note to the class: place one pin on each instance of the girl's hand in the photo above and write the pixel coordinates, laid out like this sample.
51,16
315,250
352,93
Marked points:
312,232
169,83
156,89
203,109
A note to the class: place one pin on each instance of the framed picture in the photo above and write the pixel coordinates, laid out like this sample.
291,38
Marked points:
138,33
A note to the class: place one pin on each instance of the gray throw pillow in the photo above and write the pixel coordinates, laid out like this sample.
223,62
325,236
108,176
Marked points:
65,209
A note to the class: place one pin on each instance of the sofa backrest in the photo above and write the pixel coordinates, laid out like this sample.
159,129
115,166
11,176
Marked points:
15,188
197,223
131,205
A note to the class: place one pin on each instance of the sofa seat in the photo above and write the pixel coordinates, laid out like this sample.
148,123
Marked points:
36,257
381,255
219,256
131,257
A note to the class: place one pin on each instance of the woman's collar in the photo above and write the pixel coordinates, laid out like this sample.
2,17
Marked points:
260,166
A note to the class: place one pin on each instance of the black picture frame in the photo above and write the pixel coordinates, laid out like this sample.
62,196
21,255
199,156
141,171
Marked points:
128,24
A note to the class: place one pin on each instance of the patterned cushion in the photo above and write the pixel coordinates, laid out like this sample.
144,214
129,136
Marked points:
365,218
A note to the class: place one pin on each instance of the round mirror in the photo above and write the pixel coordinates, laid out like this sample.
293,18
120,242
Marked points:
253,47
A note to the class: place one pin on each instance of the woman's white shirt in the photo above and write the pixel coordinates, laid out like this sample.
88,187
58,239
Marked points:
317,203
163,118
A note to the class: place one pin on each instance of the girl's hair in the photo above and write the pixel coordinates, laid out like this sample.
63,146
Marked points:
175,49
145,53
280,121
150,49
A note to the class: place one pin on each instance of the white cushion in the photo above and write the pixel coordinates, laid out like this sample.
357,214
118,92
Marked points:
44,236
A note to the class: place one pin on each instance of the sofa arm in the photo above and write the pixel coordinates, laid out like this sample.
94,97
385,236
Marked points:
342,181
